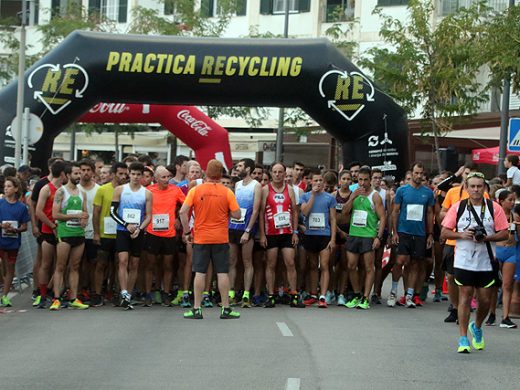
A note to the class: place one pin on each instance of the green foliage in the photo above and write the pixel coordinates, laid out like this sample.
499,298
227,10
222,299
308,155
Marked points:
502,47
432,68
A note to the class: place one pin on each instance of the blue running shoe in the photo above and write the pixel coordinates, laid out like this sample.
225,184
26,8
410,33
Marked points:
464,345
478,337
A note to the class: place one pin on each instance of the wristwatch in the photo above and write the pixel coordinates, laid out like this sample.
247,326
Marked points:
187,234
248,230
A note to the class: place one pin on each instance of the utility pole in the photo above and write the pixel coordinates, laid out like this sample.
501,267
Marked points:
279,132
504,119
21,86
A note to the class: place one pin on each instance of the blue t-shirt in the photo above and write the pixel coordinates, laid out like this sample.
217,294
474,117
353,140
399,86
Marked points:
414,204
317,223
17,214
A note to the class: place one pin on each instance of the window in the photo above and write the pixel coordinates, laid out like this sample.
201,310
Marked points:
383,3
269,7
116,10
339,11
451,6
210,8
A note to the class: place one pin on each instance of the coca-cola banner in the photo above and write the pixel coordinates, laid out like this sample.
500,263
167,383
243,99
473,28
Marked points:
90,67
207,138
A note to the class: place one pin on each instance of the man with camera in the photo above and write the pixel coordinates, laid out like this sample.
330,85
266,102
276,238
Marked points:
475,224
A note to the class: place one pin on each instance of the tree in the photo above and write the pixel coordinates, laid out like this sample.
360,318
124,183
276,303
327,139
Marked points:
432,68
502,47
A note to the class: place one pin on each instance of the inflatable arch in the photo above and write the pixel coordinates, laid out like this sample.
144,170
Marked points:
198,131
89,67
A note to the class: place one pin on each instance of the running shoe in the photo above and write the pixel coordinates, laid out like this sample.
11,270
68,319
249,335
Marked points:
257,300
391,300
464,345
193,314
375,299
157,298
473,304
296,301
77,304
363,304
42,303
35,294
417,301
507,323
177,300
206,301
56,304
452,317
270,303
245,302
6,302
401,301
126,301
322,303
97,300
341,300
311,300
148,302
478,337
491,321
37,300
438,296
409,302
352,303
185,301
424,293
330,297
227,313
166,299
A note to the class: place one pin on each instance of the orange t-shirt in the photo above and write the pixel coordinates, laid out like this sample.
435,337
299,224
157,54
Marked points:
164,204
211,204
454,195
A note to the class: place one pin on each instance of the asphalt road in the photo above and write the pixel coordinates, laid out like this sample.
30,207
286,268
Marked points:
280,348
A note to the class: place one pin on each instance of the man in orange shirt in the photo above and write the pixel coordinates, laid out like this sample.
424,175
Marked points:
160,233
212,204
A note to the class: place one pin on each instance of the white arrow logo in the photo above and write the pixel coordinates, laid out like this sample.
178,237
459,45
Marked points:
50,102
331,103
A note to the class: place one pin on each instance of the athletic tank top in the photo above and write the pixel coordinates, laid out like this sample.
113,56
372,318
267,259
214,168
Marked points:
364,220
132,206
382,193
341,201
47,209
278,212
71,204
245,196
90,194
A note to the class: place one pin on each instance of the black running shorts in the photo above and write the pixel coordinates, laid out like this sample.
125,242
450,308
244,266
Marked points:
217,253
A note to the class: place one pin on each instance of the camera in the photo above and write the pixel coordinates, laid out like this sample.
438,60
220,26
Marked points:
479,232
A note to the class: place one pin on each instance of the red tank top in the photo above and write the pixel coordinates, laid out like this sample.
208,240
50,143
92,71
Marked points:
278,212
47,209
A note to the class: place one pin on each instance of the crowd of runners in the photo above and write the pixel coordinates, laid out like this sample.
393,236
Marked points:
135,234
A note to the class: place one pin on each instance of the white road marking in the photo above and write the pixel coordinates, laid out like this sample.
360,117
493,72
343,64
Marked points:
293,384
284,329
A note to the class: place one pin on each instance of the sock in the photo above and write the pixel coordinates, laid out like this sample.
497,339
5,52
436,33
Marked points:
43,290
322,297
409,292
231,294
124,292
205,294
186,293
395,285
246,294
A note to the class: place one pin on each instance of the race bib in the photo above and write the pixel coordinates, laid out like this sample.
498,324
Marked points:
317,221
160,222
339,206
242,219
414,212
73,223
282,220
359,218
109,225
132,216
6,234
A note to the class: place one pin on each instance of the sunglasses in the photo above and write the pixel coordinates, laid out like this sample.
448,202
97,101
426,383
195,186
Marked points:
476,174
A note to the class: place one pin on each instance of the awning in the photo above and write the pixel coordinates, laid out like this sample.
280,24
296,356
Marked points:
488,155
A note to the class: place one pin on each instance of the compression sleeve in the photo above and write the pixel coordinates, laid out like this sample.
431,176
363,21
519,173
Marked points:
445,185
114,207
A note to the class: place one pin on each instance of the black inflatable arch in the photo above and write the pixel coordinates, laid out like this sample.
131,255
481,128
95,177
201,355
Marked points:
89,67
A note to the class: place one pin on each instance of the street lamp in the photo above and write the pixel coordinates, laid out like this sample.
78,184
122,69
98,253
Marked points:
279,132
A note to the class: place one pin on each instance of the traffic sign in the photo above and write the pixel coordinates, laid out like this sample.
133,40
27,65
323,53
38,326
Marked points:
35,130
513,136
